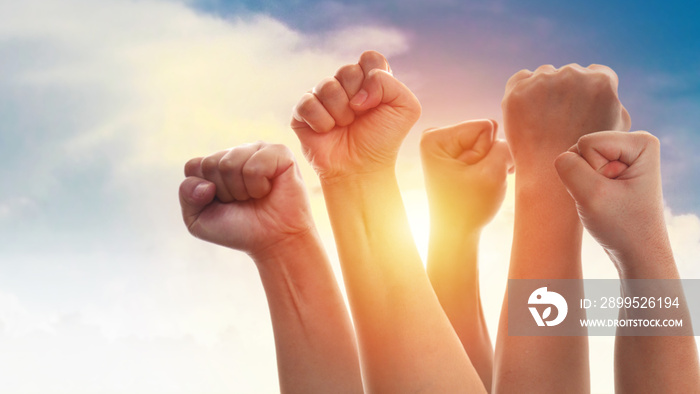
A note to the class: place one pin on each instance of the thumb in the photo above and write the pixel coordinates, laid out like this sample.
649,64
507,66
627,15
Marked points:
576,173
468,141
195,195
380,87
475,139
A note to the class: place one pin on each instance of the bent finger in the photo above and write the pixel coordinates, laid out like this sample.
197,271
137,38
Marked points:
264,166
195,194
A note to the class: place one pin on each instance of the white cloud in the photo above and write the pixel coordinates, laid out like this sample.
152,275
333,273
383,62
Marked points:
684,232
353,40
122,93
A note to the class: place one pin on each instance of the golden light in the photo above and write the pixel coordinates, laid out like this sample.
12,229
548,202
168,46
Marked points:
416,203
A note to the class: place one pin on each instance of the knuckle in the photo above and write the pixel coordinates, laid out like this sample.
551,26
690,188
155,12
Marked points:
210,164
586,140
257,145
574,66
348,71
544,68
306,105
517,79
372,56
602,69
597,66
227,165
524,73
251,169
380,73
276,150
284,155
281,149
604,86
192,164
328,88
571,70
602,78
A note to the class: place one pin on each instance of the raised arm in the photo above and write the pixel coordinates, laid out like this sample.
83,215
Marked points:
615,179
252,198
465,169
351,127
545,112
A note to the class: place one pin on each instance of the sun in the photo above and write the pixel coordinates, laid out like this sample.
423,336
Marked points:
416,204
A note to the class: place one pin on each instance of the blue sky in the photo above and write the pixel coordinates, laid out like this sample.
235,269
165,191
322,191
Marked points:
102,102
654,47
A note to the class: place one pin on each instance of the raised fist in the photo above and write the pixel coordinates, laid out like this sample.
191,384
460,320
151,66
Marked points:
249,198
465,170
355,121
547,111
615,179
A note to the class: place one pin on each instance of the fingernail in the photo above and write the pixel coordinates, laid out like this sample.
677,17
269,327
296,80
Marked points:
359,98
200,190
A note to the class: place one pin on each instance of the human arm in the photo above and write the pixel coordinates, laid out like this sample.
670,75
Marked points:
351,128
465,170
615,179
545,112
251,198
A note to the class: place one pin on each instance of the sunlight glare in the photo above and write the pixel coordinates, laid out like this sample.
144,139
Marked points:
416,203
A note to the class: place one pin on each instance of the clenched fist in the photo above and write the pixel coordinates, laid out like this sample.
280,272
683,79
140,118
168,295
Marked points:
465,170
249,198
547,111
615,179
355,121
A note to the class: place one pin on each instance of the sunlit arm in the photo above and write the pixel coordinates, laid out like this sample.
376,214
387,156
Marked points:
406,341
453,272
465,169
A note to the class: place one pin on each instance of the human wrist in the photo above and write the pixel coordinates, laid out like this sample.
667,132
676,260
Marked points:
379,174
644,259
536,172
279,252
543,192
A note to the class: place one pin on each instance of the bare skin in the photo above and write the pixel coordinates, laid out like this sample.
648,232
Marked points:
351,127
545,112
465,170
615,179
252,198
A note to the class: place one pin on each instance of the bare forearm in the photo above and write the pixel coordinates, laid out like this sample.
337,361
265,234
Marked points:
453,272
656,364
314,339
547,234
406,341
546,245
